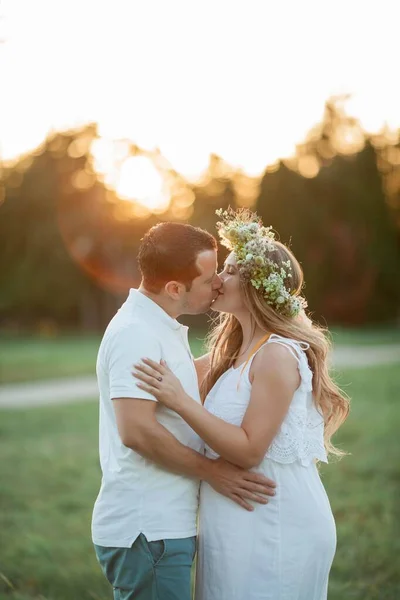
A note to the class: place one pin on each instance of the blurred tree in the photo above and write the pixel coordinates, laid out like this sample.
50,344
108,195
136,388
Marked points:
68,244
37,277
215,191
54,208
336,218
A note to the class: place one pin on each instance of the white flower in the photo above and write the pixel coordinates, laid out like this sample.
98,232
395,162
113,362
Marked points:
253,246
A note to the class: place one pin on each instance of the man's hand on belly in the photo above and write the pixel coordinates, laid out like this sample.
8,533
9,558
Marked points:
238,484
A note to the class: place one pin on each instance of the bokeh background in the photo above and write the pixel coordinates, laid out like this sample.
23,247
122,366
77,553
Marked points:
117,115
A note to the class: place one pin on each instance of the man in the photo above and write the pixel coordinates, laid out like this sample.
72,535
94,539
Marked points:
144,519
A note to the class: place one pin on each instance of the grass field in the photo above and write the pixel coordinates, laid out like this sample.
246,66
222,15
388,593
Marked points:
33,358
368,336
50,477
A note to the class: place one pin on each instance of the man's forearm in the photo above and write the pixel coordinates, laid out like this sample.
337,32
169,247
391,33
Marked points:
157,444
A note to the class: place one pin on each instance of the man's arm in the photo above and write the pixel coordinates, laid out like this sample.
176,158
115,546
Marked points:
140,431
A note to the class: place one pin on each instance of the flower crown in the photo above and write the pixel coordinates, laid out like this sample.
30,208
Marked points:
243,233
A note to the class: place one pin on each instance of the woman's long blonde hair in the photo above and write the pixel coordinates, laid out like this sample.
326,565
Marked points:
225,340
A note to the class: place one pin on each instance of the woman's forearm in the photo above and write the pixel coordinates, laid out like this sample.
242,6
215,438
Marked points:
229,441
271,394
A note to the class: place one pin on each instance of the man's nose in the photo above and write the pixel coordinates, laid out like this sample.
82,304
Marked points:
217,282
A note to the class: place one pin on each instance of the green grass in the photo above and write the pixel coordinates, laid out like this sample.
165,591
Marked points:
50,476
34,358
364,489
367,336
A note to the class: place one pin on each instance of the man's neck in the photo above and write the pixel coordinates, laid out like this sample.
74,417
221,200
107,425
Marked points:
160,300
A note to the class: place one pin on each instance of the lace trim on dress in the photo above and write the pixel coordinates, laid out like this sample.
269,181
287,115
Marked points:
301,435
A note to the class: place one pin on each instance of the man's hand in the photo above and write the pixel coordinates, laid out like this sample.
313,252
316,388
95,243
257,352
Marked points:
238,484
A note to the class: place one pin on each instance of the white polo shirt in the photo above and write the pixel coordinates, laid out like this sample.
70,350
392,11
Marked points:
137,496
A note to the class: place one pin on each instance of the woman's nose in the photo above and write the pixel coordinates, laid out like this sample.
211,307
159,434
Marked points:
221,277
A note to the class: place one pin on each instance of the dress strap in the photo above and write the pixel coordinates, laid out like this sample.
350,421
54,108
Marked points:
255,349
253,352
295,347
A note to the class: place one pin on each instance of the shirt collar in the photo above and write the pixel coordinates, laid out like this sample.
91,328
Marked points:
153,309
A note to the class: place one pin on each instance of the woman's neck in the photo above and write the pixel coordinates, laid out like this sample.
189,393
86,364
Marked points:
252,333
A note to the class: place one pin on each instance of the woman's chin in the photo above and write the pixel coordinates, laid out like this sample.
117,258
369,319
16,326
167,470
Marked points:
218,304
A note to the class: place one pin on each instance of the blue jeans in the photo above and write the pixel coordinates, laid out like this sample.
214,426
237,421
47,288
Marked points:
158,570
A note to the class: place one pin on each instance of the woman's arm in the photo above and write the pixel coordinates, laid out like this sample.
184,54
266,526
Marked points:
275,379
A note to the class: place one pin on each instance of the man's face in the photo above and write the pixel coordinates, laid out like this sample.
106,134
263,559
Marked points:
204,287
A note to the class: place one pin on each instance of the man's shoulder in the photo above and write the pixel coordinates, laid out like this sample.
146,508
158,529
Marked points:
132,327
126,336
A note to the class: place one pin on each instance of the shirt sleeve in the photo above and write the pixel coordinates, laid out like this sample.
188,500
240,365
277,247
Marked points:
126,348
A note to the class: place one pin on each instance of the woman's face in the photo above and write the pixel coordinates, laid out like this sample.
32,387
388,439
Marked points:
230,298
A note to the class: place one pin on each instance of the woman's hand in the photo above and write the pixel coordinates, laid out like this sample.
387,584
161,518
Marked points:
159,380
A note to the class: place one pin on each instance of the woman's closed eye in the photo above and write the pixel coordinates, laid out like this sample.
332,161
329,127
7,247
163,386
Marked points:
229,270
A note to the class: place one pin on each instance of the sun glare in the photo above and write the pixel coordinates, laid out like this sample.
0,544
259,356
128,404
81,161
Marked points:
139,180
157,84
134,178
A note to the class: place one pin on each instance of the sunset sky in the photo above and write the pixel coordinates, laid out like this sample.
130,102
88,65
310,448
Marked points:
244,79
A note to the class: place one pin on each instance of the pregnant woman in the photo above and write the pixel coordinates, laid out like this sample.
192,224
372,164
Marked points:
270,406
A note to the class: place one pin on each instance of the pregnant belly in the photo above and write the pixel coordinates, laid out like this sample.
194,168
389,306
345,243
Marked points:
272,551
300,504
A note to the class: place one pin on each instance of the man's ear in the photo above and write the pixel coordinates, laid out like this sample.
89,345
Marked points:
175,289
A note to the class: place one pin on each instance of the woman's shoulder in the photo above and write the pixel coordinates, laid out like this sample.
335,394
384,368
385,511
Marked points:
273,363
279,355
202,365
274,357
203,361
296,357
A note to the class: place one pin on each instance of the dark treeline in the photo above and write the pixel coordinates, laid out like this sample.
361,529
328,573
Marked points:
68,246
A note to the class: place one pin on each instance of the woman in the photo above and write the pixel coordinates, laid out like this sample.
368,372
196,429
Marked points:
270,406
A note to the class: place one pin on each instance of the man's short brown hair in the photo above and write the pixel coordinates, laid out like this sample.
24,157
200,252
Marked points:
169,251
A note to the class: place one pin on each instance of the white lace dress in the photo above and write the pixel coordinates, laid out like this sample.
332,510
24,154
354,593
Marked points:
283,550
